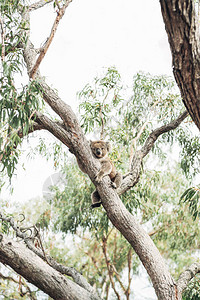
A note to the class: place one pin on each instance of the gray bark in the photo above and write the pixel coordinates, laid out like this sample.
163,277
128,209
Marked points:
38,272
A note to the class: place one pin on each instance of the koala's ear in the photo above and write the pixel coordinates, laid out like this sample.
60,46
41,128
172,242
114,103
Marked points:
108,146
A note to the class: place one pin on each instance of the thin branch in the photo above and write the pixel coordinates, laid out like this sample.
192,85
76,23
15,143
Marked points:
28,290
134,142
187,275
58,5
59,16
129,257
102,124
111,268
39,4
105,287
2,39
130,179
163,129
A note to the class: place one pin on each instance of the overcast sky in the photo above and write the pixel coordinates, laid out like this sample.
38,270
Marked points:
93,34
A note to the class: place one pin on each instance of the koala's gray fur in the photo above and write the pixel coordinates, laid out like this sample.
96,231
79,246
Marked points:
100,151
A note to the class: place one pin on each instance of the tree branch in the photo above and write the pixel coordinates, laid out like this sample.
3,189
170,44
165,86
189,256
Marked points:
30,240
57,128
59,16
109,267
39,4
2,39
186,276
163,129
38,272
33,127
133,176
129,258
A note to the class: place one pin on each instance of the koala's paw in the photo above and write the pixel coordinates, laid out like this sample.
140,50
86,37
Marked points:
113,185
98,178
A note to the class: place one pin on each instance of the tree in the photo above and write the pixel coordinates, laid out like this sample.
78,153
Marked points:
23,112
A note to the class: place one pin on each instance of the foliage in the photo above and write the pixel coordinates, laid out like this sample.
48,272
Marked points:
16,117
126,116
17,105
90,256
73,204
192,196
192,291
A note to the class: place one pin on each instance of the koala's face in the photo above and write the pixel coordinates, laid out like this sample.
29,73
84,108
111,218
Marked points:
99,148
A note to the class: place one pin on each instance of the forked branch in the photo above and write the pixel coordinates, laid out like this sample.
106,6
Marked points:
159,131
133,176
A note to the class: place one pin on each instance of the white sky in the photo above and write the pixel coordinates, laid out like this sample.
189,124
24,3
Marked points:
93,34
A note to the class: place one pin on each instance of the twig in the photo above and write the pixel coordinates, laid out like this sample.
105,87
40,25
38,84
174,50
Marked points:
102,124
129,273
134,142
2,39
21,283
109,266
58,5
59,16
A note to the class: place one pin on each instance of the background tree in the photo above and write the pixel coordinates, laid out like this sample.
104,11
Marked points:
24,111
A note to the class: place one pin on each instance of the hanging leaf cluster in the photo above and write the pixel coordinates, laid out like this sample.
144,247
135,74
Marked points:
192,197
16,116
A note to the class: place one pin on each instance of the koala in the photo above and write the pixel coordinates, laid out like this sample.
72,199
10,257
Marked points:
100,150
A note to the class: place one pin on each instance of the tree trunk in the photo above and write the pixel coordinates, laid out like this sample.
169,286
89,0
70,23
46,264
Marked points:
183,35
148,253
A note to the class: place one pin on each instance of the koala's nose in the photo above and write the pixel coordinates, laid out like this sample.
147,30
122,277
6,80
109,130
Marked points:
98,151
